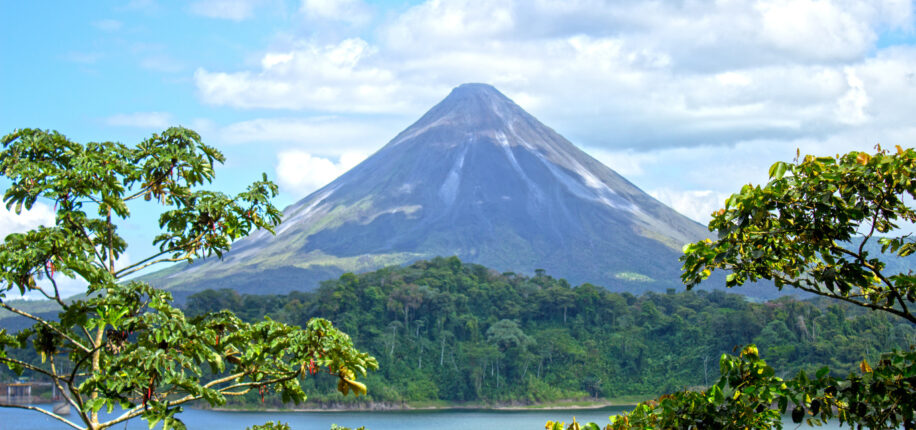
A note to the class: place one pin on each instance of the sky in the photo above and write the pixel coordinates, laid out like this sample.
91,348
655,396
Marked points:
688,100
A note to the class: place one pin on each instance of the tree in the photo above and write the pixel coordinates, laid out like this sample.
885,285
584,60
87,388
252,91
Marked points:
122,343
812,227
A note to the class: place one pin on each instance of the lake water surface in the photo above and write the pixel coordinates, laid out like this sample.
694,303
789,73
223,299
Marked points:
19,419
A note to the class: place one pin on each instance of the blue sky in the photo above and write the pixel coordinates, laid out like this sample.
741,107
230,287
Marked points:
688,99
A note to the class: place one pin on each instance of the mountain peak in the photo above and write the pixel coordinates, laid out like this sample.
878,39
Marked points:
476,90
472,106
481,96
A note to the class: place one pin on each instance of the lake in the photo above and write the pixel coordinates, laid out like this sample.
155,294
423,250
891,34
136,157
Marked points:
18,419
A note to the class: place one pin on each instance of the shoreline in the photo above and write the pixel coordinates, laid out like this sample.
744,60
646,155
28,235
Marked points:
407,407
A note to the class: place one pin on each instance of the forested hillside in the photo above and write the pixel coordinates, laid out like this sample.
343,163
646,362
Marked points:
444,330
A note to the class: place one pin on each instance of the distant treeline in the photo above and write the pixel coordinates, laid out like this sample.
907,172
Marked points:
446,330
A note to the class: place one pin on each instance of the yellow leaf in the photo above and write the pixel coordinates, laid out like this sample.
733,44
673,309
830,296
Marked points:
863,158
864,367
750,350
358,387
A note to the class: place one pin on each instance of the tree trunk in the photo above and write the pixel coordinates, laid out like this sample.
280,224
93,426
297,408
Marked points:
406,327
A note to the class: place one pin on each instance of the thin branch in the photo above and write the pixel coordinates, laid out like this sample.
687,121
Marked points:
118,273
73,392
890,285
82,230
871,232
225,379
56,297
26,365
86,332
133,268
237,393
111,258
869,305
122,273
44,323
136,411
48,413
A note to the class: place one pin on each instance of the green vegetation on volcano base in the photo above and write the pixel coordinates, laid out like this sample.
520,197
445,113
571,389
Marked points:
452,332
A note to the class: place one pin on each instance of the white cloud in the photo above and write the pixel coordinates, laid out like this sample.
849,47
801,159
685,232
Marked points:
235,10
817,30
334,77
11,222
153,120
327,134
351,11
711,73
300,173
705,95
697,205
851,107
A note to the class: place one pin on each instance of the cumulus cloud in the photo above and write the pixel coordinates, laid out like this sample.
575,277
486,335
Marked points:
11,222
697,205
300,173
235,10
354,12
705,95
156,120
314,134
333,77
711,73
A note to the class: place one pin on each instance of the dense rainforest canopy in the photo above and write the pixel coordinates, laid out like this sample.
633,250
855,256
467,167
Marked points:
447,330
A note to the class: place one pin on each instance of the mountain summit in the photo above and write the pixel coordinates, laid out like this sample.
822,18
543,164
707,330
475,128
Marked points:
477,177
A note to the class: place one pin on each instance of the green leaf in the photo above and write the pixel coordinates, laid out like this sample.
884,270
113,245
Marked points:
777,170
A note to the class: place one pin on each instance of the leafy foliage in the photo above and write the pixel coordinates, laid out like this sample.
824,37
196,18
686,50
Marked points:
475,335
123,344
270,425
799,230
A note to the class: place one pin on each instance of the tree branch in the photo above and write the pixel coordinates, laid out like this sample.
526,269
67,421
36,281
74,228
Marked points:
133,268
56,297
869,305
28,366
82,230
46,324
76,404
48,413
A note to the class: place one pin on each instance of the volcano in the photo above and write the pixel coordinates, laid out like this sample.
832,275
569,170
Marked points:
476,177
